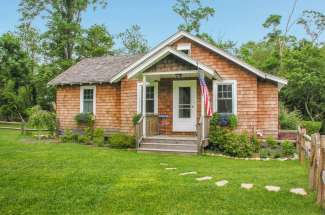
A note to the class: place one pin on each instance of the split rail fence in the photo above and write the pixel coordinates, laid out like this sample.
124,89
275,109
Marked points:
17,126
312,149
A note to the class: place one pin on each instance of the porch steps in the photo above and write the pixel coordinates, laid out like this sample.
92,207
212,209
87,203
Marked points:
163,144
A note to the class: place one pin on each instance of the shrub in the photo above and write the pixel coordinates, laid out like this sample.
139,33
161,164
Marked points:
98,137
322,130
136,118
67,136
288,149
255,144
265,153
41,119
217,138
215,119
85,119
312,127
271,142
232,121
289,120
120,140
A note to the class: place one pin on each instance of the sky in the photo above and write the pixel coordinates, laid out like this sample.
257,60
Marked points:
236,20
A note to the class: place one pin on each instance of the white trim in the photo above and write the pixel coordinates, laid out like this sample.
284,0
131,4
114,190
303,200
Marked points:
181,34
165,52
139,86
144,88
171,73
193,85
82,88
234,94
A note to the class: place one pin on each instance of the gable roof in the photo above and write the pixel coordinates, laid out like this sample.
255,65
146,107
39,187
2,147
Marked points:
94,70
182,34
170,51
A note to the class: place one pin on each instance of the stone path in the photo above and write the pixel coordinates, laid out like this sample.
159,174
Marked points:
188,173
246,186
271,188
221,183
205,178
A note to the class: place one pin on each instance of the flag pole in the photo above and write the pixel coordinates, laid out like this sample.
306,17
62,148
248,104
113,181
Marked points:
201,76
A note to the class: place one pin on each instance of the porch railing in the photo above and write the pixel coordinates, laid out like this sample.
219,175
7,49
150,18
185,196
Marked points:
203,128
139,132
152,128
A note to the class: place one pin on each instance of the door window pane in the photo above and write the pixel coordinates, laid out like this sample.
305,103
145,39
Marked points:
88,99
150,99
184,102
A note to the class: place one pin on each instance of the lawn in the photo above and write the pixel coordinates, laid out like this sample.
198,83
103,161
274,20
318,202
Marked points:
47,178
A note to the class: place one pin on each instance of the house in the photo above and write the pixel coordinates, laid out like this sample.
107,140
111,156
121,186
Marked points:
112,88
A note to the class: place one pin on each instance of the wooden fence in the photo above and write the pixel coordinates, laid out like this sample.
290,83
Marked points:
17,126
312,149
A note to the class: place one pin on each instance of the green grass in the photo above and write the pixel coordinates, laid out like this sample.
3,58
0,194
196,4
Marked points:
46,178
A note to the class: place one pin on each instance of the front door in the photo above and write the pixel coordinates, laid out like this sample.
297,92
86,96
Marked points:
184,106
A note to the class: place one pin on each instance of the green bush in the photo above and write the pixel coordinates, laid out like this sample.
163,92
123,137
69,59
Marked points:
98,137
288,149
67,136
256,144
265,153
120,140
322,130
232,121
214,121
41,119
86,137
271,142
85,119
312,127
136,118
289,120
217,138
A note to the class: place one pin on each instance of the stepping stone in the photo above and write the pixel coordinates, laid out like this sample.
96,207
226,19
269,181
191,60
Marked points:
163,164
188,173
221,183
170,168
272,188
204,178
246,186
298,191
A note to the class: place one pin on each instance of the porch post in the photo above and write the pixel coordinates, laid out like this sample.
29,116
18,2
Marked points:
144,87
202,107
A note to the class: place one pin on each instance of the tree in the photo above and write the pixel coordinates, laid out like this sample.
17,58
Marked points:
134,41
95,42
192,13
228,46
15,78
313,23
63,21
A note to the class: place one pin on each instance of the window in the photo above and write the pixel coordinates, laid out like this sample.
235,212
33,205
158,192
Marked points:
185,48
184,102
225,97
87,99
151,98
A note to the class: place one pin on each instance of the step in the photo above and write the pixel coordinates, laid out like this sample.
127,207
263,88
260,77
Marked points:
168,151
171,146
171,140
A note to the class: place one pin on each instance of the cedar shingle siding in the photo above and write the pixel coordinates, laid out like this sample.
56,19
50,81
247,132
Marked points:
257,100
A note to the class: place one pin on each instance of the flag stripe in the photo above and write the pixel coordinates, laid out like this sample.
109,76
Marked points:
206,96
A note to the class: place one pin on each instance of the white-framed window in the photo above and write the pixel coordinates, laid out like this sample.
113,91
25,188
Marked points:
88,99
151,98
185,48
225,96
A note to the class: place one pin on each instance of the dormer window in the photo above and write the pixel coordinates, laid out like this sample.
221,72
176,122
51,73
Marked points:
185,48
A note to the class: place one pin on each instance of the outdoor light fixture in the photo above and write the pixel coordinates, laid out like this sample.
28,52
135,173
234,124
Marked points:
178,76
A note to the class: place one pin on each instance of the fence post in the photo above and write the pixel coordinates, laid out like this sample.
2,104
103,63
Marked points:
302,146
313,162
22,127
321,186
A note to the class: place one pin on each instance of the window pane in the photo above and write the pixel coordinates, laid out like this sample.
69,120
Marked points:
150,93
88,99
88,106
150,106
184,95
224,105
88,93
185,113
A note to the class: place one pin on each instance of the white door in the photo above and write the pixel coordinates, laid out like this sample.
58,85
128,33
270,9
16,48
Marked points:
184,105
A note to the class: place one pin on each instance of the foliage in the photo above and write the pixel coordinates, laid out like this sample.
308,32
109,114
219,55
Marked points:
228,45
85,119
98,137
136,118
42,119
192,13
289,120
288,148
256,144
120,140
133,40
214,121
312,127
232,121
271,142
322,130
95,42
313,23
67,136
86,137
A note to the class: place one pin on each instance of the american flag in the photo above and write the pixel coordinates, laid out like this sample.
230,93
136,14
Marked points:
205,94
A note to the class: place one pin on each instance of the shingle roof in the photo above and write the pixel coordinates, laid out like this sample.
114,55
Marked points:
94,70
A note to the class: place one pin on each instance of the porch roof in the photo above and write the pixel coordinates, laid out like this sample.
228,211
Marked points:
138,72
